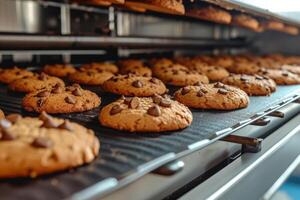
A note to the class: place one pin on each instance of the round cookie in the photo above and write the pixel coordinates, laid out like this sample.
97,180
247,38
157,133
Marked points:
90,77
36,82
61,100
59,70
1,114
246,21
244,68
281,77
133,85
210,13
130,62
146,114
9,75
138,70
160,62
212,96
291,68
253,85
37,146
178,75
105,66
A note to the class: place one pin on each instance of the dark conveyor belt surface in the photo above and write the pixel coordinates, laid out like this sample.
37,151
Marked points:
122,153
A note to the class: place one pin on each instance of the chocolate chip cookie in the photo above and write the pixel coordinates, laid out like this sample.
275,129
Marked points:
36,82
59,70
9,75
210,13
105,66
178,75
212,96
61,99
133,85
90,77
35,146
291,68
146,114
281,77
253,85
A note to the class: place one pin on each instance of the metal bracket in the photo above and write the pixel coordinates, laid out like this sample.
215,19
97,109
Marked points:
170,168
249,145
261,121
276,113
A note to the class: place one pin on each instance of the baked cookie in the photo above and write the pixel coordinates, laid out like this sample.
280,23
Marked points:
37,146
90,77
253,85
212,96
59,70
133,85
291,68
105,66
210,13
9,75
246,21
160,62
222,61
36,82
178,75
281,77
61,100
130,62
137,70
244,68
146,114
1,114
166,6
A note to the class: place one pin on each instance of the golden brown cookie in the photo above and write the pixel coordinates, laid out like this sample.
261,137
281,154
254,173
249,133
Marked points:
246,21
281,77
253,85
105,66
59,70
212,96
210,13
244,68
133,66
133,85
61,100
9,75
43,145
36,82
146,114
178,75
291,68
164,6
1,114
160,62
90,77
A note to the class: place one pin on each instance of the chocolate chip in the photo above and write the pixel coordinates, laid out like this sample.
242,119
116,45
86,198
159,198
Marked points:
115,110
42,77
204,90
219,85
259,77
7,135
43,94
18,73
200,93
156,99
70,88
243,78
56,90
134,103
77,92
154,111
70,100
174,71
13,118
127,100
42,142
76,85
198,84
44,116
223,91
154,80
185,90
50,123
4,123
165,103
137,84
66,125
40,102
285,73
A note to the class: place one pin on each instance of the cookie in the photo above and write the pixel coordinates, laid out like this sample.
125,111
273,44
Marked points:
61,100
210,13
1,114
36,82
291,68
145,114
222,61
9,75
281,77
178,75
90,77
212,96
246,21
160,62
130,62
244,67
59,70
35,146
105,66
166,6
133,85
253,85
